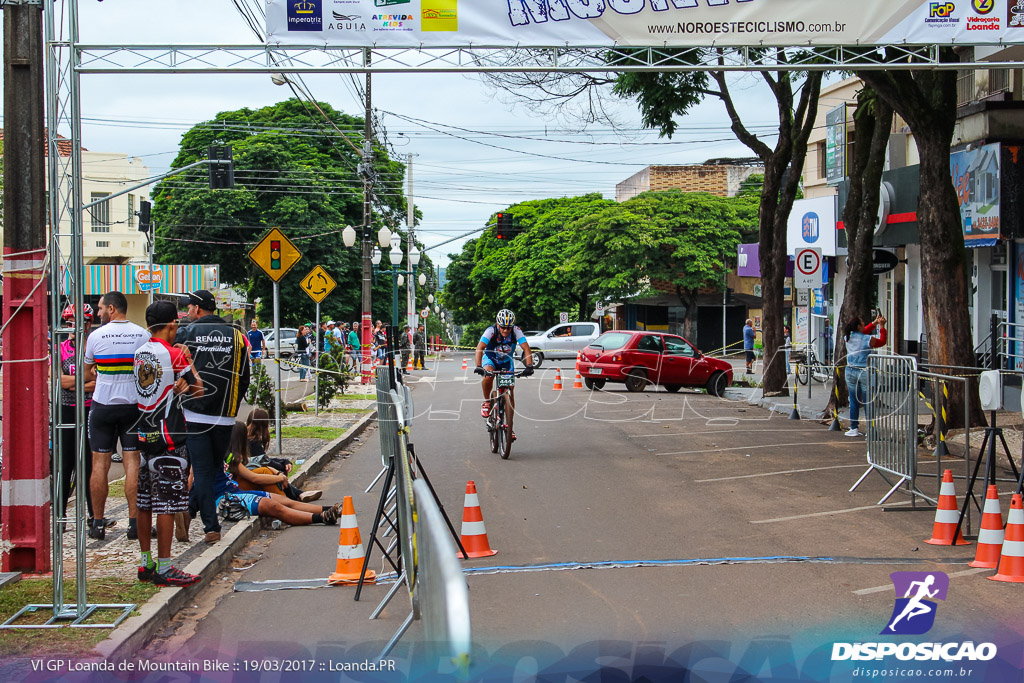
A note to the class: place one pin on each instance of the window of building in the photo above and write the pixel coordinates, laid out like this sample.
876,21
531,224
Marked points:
819,149
100,214
131,211
102,243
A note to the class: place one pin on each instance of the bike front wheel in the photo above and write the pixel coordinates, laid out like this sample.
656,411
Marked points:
506,428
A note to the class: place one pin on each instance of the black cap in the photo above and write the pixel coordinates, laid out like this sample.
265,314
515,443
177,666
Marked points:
203,300
161,313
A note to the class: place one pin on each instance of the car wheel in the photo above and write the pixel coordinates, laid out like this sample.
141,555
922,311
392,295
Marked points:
673,388
593,384
636,380
716,385
538,359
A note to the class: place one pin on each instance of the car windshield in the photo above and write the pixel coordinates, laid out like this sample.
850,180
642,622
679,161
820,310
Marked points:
611,340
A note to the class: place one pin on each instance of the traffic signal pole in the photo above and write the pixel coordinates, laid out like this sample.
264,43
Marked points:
25,491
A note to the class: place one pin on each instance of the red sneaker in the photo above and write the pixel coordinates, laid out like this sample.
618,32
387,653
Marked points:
175,577
485,410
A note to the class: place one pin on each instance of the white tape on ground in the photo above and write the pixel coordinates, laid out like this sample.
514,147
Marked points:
772,474
882,589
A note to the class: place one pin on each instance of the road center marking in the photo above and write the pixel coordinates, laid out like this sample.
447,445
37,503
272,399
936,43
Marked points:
772,474
823,514
749,448
882,589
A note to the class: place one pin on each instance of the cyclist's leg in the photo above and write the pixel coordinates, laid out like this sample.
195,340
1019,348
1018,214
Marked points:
487,385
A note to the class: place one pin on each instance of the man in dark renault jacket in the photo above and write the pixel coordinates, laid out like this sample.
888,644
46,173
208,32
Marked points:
221,357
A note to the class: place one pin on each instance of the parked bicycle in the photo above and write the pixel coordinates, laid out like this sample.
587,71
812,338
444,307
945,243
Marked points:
499,422
808,366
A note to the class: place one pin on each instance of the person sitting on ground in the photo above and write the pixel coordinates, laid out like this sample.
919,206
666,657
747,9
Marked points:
273,505
259,463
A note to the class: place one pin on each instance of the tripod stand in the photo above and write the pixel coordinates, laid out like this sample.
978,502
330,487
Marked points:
988,450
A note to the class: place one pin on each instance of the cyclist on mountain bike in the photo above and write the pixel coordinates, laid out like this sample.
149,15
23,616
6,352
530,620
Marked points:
495,353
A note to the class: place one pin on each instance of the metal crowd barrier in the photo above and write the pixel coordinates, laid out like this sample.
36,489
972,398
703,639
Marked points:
444,595
891,404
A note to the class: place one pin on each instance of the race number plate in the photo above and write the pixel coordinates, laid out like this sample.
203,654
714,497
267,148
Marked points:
506,380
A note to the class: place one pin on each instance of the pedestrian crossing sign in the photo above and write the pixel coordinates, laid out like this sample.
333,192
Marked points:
275,255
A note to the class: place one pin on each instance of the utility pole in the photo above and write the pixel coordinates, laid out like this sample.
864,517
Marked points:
25,532
367,236
410,221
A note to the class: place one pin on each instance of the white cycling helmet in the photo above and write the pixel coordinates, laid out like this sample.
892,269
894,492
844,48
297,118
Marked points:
505,318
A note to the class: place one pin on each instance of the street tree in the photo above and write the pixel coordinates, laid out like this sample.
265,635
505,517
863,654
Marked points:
293,171
663,96
927,102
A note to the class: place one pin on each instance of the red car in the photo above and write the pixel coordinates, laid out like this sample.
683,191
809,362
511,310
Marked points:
639,358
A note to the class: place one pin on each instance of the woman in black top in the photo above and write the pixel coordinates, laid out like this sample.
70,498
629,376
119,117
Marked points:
302,351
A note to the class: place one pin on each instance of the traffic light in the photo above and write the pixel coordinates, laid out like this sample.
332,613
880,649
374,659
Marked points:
222,176
505,230
729,295
144,215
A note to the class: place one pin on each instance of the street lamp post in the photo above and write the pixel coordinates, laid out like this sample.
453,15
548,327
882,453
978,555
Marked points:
397,276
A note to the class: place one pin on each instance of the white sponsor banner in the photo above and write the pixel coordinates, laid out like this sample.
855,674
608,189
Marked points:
670,23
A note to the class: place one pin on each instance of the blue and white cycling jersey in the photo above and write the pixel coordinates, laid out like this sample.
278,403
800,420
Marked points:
500,350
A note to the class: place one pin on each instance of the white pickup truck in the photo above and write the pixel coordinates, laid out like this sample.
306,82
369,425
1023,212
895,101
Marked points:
562,341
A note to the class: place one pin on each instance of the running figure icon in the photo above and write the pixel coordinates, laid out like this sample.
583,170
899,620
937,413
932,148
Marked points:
914,613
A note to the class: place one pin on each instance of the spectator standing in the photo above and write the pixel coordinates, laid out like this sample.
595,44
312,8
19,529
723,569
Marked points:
114,415
748,344
380,341
860,341
68,451
419,342
404,347
257,342
787,344
162,374
302,352
355,352
218,351
826,336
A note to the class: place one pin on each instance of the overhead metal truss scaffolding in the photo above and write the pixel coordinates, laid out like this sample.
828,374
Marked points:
196,59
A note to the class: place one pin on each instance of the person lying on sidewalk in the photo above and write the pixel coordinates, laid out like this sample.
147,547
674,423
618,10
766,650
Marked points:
273,505
272,469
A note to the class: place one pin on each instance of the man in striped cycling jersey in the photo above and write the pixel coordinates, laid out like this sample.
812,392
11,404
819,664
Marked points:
109,360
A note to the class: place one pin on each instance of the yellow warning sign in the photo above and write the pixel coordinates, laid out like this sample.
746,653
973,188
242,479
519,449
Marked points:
318,284
275,254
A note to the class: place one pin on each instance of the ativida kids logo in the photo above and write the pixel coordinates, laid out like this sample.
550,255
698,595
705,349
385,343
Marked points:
440,15
305,15
914,613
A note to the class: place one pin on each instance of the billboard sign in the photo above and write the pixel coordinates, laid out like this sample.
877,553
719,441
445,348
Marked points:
977,180
624,23
835,145
812,223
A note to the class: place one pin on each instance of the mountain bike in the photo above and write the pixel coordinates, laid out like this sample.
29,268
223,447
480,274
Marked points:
499,422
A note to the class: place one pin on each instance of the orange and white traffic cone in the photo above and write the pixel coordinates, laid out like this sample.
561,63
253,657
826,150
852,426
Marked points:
408,366
474,535
578,383
1011,563
558,380
350,550
464,366
578,356
990,536
946,515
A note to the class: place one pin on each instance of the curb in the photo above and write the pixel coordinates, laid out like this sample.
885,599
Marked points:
136,631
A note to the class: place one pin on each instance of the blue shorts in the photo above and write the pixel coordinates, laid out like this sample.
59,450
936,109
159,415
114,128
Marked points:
251,500
505,364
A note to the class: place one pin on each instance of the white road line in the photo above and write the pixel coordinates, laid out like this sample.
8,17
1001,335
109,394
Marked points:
749,448
772,474
822,514
721,431
882,589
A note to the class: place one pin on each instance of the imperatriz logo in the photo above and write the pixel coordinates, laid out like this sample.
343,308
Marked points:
914,613
305,15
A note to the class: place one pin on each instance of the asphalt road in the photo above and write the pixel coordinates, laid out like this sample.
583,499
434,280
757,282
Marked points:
719,486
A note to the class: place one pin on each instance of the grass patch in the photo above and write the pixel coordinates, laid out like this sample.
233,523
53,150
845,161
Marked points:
309,432
117,489
357,397
20,642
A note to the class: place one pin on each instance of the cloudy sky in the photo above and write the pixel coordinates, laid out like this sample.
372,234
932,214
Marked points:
474,153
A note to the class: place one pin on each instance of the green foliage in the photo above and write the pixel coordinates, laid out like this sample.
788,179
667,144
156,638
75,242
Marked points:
292,171
335,378
574,251
261,391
